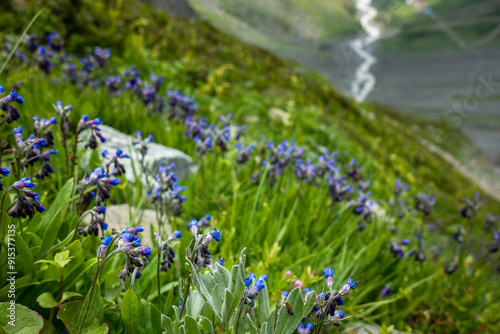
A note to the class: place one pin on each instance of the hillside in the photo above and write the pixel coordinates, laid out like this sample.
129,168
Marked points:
290,225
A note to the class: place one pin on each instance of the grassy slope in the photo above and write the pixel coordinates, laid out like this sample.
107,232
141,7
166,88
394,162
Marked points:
288,19
470,20
228,76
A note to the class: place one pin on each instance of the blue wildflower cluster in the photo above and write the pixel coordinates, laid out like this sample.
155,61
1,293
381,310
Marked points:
253,288
325,309
167,250
200,256
167,195
27,201
7,106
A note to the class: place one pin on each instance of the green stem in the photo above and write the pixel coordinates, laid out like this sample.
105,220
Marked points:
96,279
158,277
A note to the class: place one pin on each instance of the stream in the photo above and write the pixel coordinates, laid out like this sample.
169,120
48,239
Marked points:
364,81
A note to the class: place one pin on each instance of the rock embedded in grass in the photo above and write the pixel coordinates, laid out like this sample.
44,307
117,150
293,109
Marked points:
156,154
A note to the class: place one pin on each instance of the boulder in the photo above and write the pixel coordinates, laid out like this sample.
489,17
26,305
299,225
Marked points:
156,154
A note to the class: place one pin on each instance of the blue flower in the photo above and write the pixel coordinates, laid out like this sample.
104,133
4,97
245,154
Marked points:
215,234
328,272
4,171
100,209
126,237
23,183
175,235
248,282
106,240
135,230
340,314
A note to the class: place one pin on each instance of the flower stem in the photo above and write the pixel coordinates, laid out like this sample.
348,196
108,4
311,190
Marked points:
96,279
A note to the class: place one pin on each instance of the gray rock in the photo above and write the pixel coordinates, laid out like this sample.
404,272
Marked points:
120,218
156,154
366,328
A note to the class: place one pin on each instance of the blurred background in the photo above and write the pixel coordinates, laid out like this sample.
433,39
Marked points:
434,58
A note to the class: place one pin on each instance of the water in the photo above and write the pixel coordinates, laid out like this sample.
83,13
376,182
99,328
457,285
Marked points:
364,81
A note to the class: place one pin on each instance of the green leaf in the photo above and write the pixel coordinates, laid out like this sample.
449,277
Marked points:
182,330
191,325
166,323
155,317
263,307
170,300
76,255
287,323
69,314
51,233
129,306
25,321
62,258
202,289
221,277
46,300
68,294
95,307
49,226
145,316
195,304
24,251
217,298
207,325
227,306
78,274
251,325
308,306
270,322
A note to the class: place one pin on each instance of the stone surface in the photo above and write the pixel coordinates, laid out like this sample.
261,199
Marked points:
156,154
365,328
119,218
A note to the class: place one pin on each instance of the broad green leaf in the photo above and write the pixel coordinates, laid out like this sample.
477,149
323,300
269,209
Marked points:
155,318
129,306
51,233
288,323
263,328
221,277
263,307
24,251
195,304
207,325
145,318
270,322
169,301
209,281
217,298
309,304
46,300
68,294
49,226
62,258
69,314
251,325
227,306
166,323
191,325
25,321
79,273
93,302
76,255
